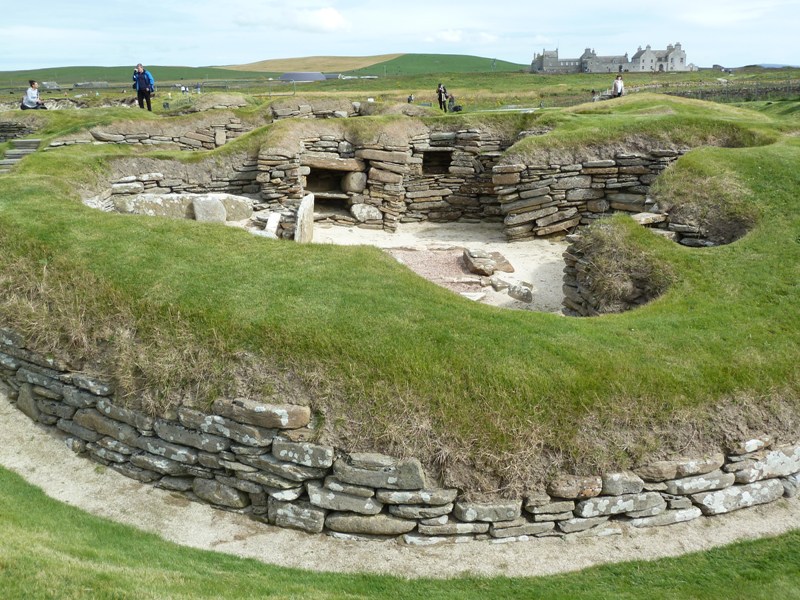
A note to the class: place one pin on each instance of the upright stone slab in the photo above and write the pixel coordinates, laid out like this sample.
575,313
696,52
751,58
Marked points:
209,210
304,229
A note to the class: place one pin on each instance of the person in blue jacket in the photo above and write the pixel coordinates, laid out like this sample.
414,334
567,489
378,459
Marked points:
144,85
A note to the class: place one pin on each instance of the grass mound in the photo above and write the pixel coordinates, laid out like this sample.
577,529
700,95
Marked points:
491,400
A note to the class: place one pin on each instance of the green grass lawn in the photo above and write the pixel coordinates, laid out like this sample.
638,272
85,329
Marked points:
402,366
52,550
377,346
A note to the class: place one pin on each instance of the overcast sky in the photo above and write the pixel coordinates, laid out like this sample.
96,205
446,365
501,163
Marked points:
51,33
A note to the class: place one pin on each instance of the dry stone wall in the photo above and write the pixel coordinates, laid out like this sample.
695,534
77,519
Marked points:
205,137
380,186
255,458
182,192
301,110
541,199
10,130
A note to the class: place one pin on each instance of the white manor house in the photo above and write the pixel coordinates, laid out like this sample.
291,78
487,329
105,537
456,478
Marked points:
645,60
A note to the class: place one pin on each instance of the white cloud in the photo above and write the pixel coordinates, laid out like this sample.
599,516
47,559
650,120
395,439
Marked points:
316,20
449,36
730,13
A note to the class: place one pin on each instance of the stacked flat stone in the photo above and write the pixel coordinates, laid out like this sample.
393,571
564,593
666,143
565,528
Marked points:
204,138
255,458
212,200
539,200
12,129
308,111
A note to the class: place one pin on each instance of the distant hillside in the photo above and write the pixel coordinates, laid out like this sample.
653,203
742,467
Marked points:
425,64
324,64
385,64
67,76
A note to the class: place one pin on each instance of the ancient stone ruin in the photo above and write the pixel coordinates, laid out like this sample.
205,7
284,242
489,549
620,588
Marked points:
254,457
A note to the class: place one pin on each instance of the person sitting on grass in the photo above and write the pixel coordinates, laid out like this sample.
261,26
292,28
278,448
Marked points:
31,100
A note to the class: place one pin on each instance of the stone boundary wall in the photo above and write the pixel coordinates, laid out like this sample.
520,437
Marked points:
10,130
309,111
254,458
204,138
541,199
156,188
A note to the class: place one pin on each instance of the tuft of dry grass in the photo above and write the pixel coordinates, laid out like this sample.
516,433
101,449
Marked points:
719,204
619,270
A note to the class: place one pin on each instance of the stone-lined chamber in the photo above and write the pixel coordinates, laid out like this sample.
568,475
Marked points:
428,175
255,458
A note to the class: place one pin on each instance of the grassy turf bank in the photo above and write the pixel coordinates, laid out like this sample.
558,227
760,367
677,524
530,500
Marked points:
396,363
51,550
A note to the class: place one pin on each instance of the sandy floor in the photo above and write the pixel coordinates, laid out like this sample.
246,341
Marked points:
434,250
43,460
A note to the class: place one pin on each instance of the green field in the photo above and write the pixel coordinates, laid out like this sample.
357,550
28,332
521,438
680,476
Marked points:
375,342
399,365
51,550
477,82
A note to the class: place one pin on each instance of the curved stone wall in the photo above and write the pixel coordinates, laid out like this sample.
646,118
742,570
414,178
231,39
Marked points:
255,458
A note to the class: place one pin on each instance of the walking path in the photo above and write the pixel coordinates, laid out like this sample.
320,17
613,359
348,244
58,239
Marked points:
43,460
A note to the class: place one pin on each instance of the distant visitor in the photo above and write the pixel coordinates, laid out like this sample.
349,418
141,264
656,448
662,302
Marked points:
144,84
441,95
618,88
31,100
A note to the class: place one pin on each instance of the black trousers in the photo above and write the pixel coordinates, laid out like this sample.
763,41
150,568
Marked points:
142,96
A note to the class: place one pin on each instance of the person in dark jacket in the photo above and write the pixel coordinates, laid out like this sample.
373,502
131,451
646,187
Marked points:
441,95
144,84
